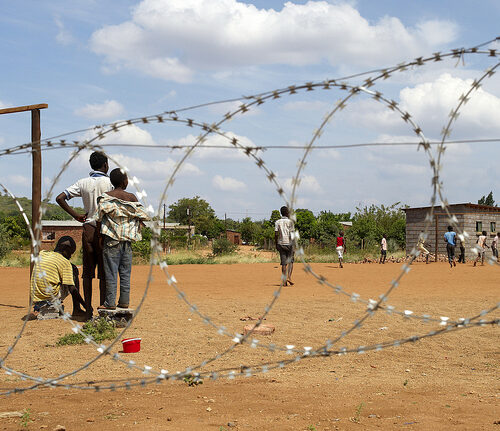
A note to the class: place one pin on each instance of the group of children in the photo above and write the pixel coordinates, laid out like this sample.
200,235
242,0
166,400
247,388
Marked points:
284,229
112,221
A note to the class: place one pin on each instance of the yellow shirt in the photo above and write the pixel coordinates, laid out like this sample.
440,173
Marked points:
58,271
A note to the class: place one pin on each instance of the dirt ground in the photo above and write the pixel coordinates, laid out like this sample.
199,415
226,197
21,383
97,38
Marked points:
450,381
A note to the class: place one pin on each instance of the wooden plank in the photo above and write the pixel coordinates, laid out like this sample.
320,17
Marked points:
23,108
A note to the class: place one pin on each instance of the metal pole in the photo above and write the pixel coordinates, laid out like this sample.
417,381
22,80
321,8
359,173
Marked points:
36,179
164,229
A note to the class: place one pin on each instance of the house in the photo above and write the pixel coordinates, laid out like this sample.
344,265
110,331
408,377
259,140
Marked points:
52,230
233,236
472,218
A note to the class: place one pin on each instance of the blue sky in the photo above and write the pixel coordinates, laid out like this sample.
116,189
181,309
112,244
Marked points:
97,62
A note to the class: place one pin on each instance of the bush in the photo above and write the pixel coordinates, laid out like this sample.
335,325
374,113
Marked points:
5,242
100,329
222,246
142,248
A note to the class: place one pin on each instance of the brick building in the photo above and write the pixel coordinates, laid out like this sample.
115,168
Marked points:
472,218
233,236
52,230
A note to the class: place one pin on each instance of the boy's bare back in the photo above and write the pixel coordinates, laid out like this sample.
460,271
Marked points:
122,194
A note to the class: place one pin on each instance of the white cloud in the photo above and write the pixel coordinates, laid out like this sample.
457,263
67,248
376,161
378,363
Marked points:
153,169
64,37
3,105
173,39
308,184
227,183
98,111
17,180
227,151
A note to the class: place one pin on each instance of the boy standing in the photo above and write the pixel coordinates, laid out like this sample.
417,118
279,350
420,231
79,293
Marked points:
54,276
494,246
340,247
283,229
89,189
450,238
481,243
121,218
383,249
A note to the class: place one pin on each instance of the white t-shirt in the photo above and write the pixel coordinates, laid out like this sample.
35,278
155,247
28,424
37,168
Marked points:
284,227
481,241
89,189
383,243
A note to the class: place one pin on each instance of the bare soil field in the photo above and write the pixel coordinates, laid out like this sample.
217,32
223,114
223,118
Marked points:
450,381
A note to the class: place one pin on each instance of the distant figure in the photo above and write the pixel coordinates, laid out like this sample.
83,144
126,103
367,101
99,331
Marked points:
283,229
383,249
421,247
55,277
481,244
450,238
461,258
341,247
494,246
89,189
120,218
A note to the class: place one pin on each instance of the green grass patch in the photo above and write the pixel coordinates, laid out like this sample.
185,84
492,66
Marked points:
100,329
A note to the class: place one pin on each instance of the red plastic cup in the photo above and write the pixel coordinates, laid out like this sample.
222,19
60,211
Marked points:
131,345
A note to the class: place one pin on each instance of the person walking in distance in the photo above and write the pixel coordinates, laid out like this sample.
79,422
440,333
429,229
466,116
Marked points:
494,246
450,238
283,229
341,247
461,258
421,247
481,248
89,189
383,249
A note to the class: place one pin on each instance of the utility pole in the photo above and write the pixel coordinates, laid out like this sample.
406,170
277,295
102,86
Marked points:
36,176
164,229
188,211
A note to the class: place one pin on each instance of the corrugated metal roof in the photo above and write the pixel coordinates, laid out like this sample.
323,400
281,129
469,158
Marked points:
60,223
466,204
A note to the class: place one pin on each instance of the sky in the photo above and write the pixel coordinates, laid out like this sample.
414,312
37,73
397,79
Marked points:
97,62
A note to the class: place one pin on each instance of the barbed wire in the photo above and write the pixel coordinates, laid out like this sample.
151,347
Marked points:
372,306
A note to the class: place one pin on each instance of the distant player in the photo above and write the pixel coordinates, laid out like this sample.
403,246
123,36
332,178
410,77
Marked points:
481,243
383,249
461,258
283,229
341,247
450,238
421,247
494,246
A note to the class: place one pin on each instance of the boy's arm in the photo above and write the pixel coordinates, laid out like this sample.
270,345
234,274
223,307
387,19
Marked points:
62,200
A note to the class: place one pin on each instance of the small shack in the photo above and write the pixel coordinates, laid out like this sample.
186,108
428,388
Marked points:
472,218
52,230
233,236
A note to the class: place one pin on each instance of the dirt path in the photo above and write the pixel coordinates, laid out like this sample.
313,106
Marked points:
446,382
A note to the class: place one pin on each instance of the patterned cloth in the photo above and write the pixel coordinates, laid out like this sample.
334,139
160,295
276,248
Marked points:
284,227
121,220
49,274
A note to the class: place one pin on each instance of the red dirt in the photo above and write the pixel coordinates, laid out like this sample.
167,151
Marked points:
449,381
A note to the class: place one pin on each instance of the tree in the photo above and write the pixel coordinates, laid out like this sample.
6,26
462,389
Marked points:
327,227
487,200
306,223
275,215
249,230
199,213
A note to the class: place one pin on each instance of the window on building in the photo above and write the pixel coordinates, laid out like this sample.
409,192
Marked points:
493,226
48,236
479,226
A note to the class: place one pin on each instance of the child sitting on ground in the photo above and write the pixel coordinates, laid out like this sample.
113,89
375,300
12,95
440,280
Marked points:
55,277
121,218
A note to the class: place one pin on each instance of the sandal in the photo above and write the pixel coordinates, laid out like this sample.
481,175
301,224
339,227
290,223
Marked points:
104,307
122,305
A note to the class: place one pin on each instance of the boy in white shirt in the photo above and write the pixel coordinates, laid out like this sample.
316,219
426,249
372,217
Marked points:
481,243
283,229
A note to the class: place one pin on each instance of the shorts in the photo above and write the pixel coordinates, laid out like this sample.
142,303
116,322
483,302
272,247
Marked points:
340,251
286,253
423,250
92,253
383,252
63,293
